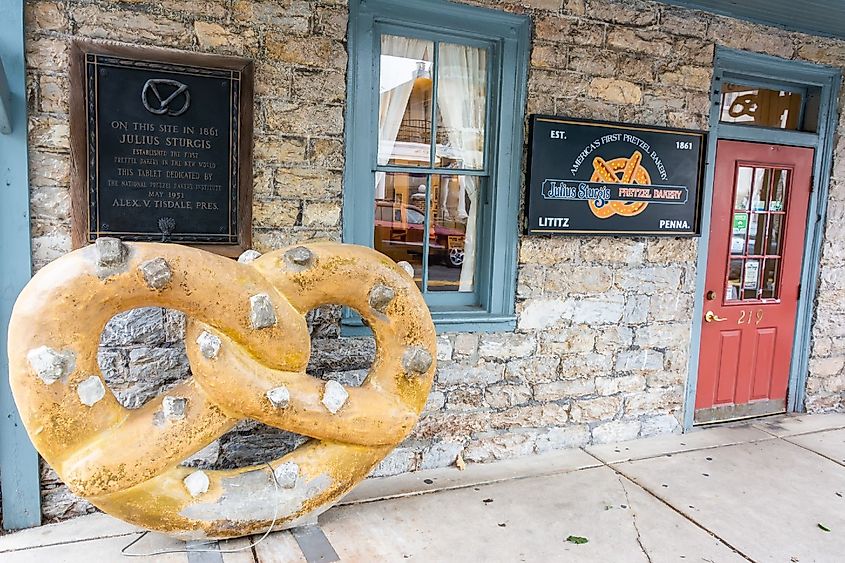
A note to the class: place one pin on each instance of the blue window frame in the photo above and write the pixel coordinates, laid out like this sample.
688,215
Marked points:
502,42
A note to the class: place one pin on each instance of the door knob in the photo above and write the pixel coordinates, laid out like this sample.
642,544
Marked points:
710,317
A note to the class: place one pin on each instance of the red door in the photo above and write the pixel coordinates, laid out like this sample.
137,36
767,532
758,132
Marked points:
759,217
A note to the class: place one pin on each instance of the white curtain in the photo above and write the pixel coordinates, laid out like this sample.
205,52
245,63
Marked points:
394,99
461,96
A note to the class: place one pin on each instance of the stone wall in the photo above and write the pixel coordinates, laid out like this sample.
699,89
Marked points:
300,51
601,348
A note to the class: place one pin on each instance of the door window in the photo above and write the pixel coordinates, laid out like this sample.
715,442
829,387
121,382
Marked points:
756,244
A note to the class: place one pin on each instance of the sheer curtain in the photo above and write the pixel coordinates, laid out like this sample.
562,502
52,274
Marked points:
393,98
461,97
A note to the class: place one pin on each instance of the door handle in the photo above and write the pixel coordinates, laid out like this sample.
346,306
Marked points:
710,317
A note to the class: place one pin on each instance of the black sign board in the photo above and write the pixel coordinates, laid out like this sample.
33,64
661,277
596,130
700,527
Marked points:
590,177
167,140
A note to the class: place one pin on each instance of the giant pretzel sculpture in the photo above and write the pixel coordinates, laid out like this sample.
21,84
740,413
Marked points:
248,347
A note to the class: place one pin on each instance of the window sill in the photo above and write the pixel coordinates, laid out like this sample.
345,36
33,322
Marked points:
444,322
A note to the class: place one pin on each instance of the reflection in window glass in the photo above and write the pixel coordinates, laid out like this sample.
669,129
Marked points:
760,192
399,229
452,205
756,234
432,221
732,291
405,97
744,176
779,185
769,289
775,233
759,106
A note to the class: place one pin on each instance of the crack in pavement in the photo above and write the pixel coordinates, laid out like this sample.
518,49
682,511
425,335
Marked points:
633,518
674,509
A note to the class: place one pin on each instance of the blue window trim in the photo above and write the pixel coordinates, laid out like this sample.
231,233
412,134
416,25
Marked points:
741,65
496,280
19,475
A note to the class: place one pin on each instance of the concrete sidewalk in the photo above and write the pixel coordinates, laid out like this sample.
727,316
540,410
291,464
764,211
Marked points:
769,490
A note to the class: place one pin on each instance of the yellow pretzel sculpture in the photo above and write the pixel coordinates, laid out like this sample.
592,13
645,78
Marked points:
248,347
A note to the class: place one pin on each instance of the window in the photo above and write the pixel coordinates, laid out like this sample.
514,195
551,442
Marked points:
433,149
774,107
760,200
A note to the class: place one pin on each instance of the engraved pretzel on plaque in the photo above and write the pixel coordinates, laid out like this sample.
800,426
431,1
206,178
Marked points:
165,101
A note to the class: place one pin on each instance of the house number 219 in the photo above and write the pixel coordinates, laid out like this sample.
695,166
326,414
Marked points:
746,319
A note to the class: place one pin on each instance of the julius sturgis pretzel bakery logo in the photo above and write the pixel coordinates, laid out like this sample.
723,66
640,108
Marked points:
617,186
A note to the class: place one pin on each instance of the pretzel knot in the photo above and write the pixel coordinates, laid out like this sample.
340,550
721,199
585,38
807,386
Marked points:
631,171
248,346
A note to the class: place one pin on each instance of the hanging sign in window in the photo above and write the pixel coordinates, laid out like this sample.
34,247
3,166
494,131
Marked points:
591,177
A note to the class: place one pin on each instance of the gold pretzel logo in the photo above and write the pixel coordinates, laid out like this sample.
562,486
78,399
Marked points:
619,171
248,347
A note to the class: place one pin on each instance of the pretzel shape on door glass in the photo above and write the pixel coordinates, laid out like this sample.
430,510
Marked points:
248,346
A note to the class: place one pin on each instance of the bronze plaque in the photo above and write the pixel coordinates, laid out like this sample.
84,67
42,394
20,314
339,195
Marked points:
162,144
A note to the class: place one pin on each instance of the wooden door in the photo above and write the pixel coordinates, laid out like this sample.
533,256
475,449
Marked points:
758,224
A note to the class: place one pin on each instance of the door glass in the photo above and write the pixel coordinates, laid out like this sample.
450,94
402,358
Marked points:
756,233
738,233
750,278
778,199
732,291
405,97
748,105
775,233
762,178
770,279
744,176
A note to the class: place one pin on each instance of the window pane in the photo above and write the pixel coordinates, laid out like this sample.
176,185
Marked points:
762,179
756,234
779,188
452,249
770,279
773,244
405,97
743,187
734,280
759,106
750,279
461,106
740,228
400,218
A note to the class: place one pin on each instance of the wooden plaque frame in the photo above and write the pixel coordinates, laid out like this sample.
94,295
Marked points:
79,183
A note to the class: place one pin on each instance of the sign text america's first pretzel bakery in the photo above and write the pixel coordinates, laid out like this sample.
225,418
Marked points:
609,178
